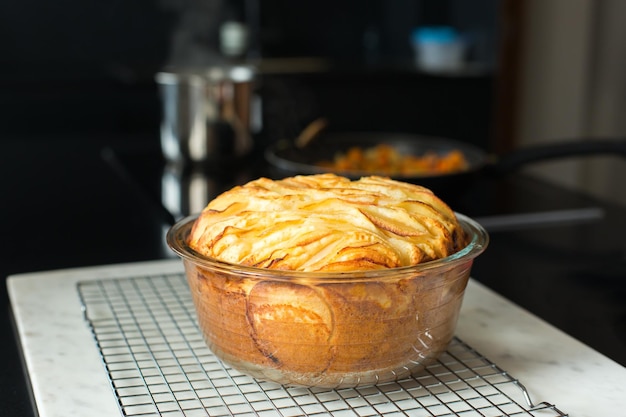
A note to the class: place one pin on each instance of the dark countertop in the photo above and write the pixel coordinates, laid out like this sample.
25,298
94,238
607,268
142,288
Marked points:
80,201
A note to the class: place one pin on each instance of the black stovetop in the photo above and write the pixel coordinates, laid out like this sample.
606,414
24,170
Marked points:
72,201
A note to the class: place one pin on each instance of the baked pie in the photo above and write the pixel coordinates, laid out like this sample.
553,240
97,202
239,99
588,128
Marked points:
323,281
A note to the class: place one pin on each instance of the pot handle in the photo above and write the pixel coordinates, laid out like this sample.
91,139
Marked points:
517,159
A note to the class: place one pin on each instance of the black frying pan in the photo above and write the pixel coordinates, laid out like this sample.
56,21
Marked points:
289,159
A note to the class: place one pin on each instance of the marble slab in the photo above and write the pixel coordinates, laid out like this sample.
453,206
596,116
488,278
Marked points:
68,378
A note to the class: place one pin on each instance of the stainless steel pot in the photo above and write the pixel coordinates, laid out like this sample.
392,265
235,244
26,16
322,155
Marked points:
206,113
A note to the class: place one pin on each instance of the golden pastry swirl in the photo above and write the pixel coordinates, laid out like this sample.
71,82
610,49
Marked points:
327,223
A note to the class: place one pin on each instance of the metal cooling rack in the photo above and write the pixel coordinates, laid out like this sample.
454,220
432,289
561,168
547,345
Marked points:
159,365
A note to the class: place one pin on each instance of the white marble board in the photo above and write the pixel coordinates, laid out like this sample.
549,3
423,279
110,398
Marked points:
68,378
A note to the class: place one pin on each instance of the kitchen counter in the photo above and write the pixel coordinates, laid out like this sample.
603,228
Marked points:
67,203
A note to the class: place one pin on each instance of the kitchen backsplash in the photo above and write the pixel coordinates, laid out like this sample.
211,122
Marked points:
88,66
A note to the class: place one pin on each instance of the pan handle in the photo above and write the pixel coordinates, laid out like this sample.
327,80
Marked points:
519,158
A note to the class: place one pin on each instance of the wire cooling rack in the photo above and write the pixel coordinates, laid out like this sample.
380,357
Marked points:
158,365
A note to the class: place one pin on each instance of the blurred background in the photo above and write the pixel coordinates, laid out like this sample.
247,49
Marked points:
532,71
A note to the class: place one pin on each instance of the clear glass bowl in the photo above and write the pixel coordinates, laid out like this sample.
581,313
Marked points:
331,330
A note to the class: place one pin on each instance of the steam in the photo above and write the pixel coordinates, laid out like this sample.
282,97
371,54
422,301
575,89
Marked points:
195,39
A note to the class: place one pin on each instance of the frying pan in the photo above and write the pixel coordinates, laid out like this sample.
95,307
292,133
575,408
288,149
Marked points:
288,159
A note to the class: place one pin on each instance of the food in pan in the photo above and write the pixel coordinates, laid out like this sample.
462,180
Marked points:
384,159
322,281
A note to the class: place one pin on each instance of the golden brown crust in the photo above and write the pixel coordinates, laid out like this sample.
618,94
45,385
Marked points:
328,334
327,223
